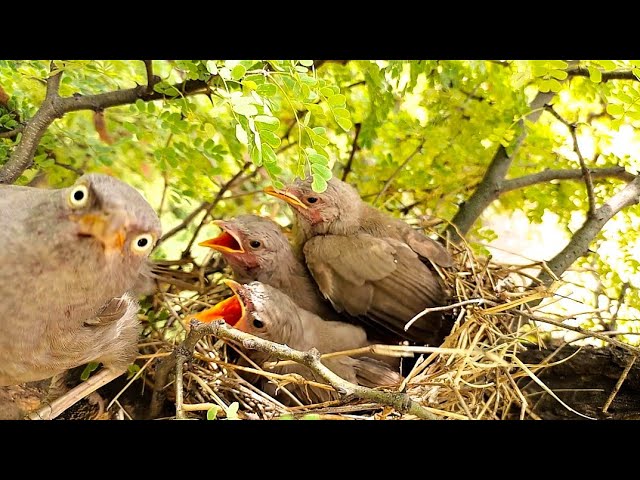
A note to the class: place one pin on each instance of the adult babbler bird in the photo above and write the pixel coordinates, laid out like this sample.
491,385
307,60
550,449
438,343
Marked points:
257,249
268,313
367,263
68,259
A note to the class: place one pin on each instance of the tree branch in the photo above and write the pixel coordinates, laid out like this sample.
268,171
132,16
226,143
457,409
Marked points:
215,202
12,133
583,166
55,107
311,359
151,78
568,174
606,76
579,243
490,186
398,170
354,147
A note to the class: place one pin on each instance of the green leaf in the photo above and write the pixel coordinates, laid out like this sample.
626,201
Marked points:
559,74
344,123
246,109
241,135
316,158
267,89
238,72
341,112
301,69
558,64
306,63
272,139
212,67
256,156
91,366
321,171
595,75
232,411
141,105
270,123
337,100
615,109
268,155
212,413
319,184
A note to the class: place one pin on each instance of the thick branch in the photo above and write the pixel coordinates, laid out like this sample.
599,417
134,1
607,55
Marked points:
310,359
579,243
490,186
55,107
567,174
606,76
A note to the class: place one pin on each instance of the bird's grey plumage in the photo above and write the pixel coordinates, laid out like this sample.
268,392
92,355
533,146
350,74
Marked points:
274,263
63,300
370,264
283,321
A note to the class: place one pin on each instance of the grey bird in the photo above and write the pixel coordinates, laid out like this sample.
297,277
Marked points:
68,259
266,312
257,249
368,263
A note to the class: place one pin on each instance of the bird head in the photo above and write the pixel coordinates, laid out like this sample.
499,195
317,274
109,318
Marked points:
250,242
338,205
255,308
113,217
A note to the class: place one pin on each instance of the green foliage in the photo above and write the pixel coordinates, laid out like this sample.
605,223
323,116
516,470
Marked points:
91,367
433,126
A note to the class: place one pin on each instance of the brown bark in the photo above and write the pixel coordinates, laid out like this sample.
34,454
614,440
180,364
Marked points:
585,382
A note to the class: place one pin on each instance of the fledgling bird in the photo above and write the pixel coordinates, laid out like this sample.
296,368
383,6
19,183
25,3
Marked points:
257,249
368,263
268,313
68,260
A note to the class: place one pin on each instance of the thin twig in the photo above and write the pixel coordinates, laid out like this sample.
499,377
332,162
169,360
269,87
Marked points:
583,166
12,133
310,359
398,170
215,202
619,383
416,317
354,148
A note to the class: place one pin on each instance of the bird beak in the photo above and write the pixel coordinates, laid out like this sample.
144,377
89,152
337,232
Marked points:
109,228
286,196
242,297
232,310
226,242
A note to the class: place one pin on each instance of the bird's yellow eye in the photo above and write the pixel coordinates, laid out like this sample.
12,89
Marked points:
142,243
79,196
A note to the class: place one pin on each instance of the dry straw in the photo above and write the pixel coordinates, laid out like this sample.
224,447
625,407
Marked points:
474,374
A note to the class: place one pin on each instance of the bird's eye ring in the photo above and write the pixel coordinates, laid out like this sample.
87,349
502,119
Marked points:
79,196
257,323
254,244
142,243
312,199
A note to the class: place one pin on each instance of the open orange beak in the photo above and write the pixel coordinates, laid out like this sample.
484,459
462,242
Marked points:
286,196
231,310
226,242
111,230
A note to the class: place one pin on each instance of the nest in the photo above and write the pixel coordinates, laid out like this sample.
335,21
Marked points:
474,374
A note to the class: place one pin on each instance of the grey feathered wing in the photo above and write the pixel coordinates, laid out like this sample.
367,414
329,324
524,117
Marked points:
380,280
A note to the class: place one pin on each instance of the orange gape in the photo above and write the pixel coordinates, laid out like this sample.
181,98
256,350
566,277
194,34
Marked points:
229,310
223,242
